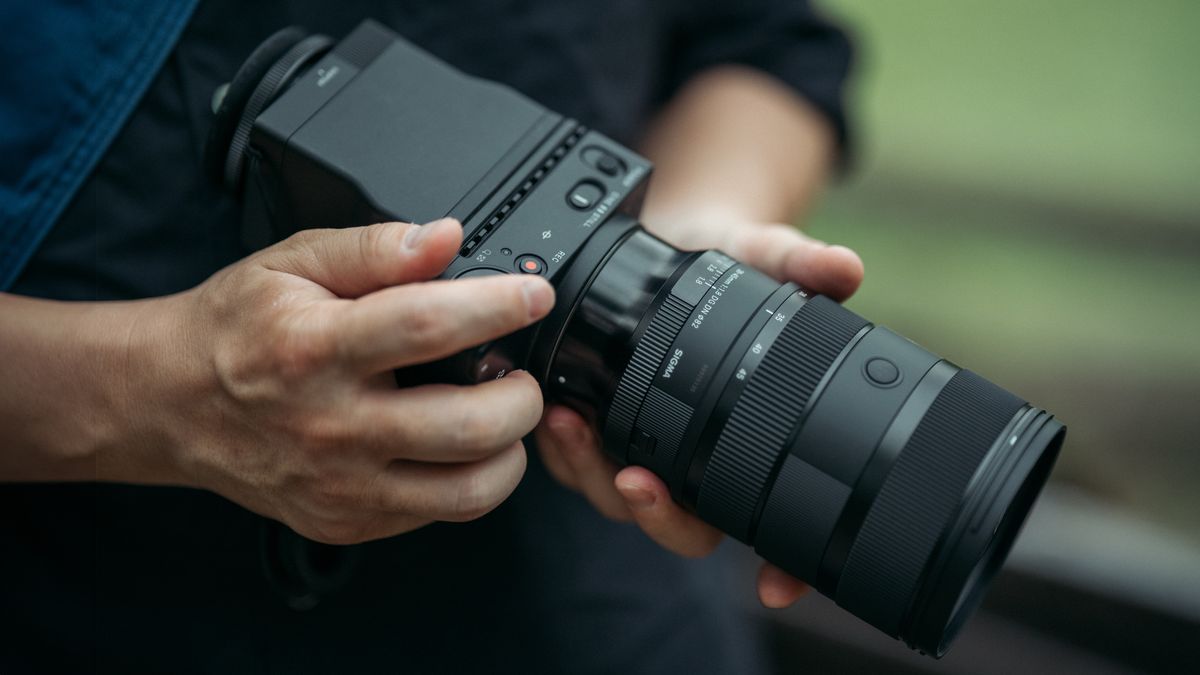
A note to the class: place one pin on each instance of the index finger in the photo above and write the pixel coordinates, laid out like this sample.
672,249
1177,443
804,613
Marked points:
418,323
787,254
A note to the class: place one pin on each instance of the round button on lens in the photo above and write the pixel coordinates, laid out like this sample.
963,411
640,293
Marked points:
882,372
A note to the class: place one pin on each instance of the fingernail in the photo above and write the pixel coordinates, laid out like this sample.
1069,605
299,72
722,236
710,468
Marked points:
638,497
417,234
539,297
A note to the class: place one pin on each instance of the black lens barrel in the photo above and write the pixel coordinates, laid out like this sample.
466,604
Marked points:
757,431
885,476
923,491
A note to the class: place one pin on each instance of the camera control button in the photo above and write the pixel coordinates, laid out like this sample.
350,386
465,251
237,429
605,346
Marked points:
881,372
608,165
604,161
585,195
480,272
531,264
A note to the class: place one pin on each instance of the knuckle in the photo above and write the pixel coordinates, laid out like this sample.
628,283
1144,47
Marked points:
338,531
380,497
337,498
474,496
303,238
389,501
474,428
322,436
374,240
488,418
425,326
514,299
370,240
306,244
299,348
330,509
329,494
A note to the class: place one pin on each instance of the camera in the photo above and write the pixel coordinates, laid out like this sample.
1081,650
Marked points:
888,478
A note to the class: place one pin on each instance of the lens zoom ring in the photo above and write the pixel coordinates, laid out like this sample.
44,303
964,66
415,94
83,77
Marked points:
651,350
766,412
920,496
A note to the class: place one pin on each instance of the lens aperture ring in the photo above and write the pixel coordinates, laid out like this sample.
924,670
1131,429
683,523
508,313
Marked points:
766,414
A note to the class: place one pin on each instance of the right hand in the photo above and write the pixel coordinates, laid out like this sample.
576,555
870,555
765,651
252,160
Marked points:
270,383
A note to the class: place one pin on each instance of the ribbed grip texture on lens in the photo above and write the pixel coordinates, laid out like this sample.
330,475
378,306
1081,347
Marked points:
642,366
666,418
766,412
920,496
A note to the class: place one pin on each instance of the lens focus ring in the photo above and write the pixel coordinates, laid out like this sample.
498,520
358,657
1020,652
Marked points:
767,411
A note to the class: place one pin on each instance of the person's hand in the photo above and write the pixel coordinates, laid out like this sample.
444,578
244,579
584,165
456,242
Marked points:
271,383
571,451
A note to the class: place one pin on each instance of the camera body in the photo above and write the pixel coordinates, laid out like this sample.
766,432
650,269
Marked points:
529,186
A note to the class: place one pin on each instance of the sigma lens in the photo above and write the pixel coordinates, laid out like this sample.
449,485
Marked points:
890,479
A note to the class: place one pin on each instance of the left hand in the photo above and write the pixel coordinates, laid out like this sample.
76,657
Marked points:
571,451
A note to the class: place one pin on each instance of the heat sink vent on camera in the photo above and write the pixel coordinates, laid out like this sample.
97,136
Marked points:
501,213
365,44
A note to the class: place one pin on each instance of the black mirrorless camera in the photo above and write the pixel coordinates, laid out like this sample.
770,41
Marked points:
888,478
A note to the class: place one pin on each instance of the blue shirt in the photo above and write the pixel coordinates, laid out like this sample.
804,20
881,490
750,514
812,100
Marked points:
72,74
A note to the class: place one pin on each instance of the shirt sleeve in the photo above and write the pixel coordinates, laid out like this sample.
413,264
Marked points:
788,39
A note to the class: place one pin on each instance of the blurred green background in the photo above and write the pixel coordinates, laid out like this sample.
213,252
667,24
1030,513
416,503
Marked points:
1026,196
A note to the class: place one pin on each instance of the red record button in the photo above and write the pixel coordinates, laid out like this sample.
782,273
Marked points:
531,264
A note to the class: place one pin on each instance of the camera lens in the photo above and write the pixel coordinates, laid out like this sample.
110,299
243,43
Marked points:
888,478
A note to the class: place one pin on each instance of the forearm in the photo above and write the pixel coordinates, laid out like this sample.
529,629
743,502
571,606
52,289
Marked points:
65,405
735,144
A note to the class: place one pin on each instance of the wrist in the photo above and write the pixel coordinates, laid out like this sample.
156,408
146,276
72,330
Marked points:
141,377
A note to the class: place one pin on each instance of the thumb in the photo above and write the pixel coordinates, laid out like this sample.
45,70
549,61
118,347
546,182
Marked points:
355,261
